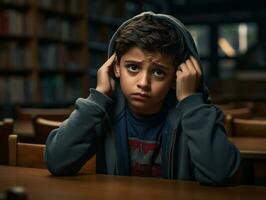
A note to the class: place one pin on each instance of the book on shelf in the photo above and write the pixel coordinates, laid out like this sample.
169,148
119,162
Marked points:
15,23
53,56
70,30
51,4
72,6
15,89
73,89
67,6
4,56
48,26
72,59
50,56
14,56
61,29
104,8
52,88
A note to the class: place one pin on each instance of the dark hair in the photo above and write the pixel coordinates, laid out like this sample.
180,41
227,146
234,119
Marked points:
152,34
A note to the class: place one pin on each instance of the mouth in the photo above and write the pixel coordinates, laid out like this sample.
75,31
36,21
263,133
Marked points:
140,96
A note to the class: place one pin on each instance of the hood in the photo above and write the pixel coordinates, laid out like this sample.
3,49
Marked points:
188,40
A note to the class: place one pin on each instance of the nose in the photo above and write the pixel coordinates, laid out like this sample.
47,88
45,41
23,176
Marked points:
144,81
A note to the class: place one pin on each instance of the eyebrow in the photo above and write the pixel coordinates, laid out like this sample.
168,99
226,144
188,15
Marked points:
161,66
140,62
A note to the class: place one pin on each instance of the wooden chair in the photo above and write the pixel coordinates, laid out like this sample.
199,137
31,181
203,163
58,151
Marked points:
249,127
42,127
25,154
32,155
57,114
230,114
6,128
24,125
252,128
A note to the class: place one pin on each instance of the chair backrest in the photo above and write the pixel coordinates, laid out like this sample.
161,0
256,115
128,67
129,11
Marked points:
249,127
32,155
6,128
25,154
57,114
230,114
42,127
245,112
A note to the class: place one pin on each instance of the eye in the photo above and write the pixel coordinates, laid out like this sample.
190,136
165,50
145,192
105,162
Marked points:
132,68
159,73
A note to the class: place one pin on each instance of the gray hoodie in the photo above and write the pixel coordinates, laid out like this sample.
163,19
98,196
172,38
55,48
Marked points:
195,148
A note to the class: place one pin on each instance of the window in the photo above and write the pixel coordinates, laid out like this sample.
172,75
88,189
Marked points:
201,34
235,39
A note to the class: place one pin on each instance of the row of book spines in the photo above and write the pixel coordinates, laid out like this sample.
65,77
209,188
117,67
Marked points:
58,28
13,56
66,6
54,56
50,57
15,89
16,23
53,89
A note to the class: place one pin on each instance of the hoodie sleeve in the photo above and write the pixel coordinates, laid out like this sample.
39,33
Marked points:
214,158
74,142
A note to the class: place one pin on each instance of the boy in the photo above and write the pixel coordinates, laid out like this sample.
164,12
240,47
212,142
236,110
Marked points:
149,114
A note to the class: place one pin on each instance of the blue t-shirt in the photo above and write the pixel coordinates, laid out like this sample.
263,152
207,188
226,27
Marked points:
144,140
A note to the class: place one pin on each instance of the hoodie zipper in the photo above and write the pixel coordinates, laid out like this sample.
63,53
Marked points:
115,146
171,155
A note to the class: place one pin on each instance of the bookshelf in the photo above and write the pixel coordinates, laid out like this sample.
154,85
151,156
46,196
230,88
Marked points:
43,51
103,19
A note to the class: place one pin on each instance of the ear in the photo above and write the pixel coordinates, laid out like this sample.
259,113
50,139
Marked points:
117,69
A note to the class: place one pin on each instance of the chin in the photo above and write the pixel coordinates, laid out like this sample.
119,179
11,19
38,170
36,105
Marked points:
141,108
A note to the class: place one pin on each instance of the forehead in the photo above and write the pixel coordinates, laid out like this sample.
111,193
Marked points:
137,54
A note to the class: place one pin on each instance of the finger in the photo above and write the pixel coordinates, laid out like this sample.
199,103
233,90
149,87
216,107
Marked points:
110,61
191,67
196,65
184,68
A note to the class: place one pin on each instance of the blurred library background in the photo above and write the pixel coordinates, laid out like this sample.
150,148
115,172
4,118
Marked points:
50,50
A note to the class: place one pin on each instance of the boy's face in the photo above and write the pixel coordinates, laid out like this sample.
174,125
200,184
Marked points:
145,79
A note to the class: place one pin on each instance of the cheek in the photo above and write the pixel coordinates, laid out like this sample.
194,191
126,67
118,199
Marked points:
161,89
125,84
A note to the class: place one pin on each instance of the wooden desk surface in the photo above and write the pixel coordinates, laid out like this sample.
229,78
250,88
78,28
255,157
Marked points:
40,185
250,147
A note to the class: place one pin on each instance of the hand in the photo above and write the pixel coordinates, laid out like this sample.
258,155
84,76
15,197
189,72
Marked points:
188,76
105,81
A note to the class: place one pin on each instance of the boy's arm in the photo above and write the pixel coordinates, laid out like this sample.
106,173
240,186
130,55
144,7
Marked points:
214,157
74,142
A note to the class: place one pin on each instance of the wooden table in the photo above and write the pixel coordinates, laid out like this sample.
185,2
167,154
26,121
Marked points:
40,185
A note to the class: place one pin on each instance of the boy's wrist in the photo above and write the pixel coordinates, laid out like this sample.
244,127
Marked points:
190,102
103,91
100,98
182,97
